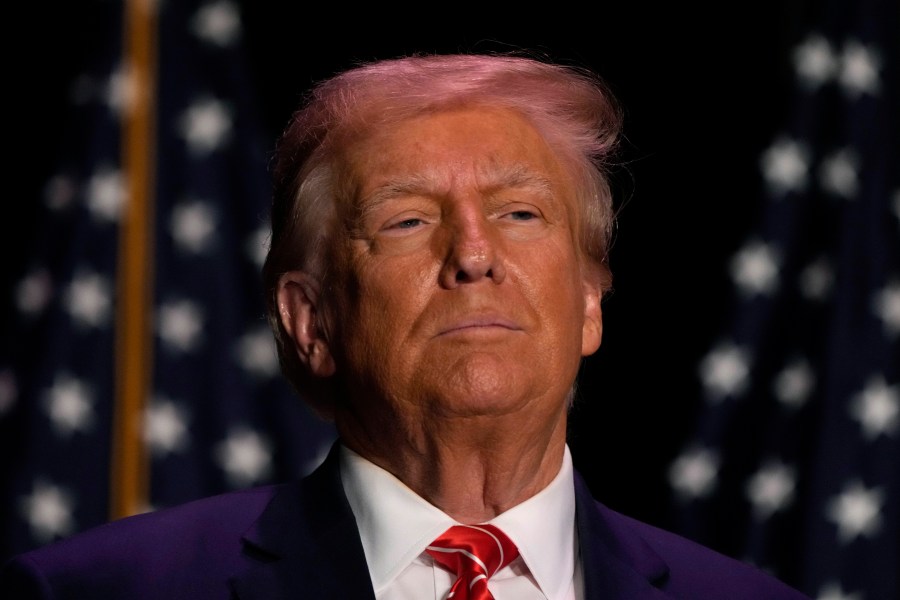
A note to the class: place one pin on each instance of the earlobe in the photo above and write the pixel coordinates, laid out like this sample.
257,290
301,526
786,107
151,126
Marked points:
592,329
298,309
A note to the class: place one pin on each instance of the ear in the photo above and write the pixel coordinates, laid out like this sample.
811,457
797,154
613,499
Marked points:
592,329
298,296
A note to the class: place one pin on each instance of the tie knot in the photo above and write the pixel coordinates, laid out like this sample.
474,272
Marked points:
474,553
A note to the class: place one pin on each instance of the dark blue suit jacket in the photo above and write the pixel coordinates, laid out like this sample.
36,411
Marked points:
300,541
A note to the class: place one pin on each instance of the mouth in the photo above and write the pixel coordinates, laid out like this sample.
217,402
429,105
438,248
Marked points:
479,324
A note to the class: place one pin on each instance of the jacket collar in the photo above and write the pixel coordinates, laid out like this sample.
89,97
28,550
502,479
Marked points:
306,543
616,561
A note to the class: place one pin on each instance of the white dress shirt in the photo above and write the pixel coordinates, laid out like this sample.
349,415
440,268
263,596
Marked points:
395,525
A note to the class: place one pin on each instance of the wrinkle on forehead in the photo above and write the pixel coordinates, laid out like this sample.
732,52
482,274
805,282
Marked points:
436,181
472,150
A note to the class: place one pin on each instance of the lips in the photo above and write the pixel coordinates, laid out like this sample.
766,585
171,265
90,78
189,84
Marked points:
476,323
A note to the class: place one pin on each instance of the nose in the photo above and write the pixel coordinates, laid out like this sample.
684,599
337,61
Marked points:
474,253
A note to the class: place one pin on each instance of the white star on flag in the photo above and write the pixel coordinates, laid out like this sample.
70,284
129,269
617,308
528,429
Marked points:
257,354
245,456
106,194
817,279
48,510
165,427
89,299
218,22
785,166
193,226
794,383
815,61
886,305
771,489
69,404
725,371
856,511
205,125
34,291
122,90
694,473
859,70
755,268
876,408
834,591
180,325
838,173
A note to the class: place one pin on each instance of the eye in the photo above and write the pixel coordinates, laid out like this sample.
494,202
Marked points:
407,224
403,225
522,215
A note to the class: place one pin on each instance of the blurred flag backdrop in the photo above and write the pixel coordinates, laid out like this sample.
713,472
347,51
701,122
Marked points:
216,415
795,462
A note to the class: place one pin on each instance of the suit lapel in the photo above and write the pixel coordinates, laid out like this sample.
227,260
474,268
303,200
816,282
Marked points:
306,544
617,563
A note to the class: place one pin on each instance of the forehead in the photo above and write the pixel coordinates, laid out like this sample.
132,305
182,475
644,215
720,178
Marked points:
473,146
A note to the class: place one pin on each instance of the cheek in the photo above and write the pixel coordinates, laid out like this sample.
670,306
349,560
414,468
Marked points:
552,280
559,300
389,294
380,320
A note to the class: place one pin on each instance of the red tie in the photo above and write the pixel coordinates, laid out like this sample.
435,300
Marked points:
474,553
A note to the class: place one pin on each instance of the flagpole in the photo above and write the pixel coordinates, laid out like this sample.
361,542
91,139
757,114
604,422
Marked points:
129,468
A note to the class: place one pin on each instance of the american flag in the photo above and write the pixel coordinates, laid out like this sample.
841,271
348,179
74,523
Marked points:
216,415
795,461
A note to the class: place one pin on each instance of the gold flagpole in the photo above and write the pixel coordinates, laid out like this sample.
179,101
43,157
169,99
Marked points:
129,469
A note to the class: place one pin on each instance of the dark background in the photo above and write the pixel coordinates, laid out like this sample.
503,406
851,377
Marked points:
704,90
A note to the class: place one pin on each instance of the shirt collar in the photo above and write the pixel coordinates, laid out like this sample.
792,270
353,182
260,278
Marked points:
395,524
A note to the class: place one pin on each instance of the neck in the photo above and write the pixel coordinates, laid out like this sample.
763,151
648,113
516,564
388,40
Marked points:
473,468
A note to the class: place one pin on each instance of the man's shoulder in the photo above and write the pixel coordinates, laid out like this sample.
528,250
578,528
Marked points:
648,561
220,515
690,569
205,533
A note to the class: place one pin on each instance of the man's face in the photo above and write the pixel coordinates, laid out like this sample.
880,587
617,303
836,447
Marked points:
457,288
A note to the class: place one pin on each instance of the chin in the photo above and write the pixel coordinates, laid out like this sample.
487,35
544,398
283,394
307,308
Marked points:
483,385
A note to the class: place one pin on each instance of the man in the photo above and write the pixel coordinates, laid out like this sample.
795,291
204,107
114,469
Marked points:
438,259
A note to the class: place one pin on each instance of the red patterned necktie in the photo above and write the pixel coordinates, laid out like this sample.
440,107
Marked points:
474,553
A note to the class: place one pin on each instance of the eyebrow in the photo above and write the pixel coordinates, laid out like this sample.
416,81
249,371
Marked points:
423,183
